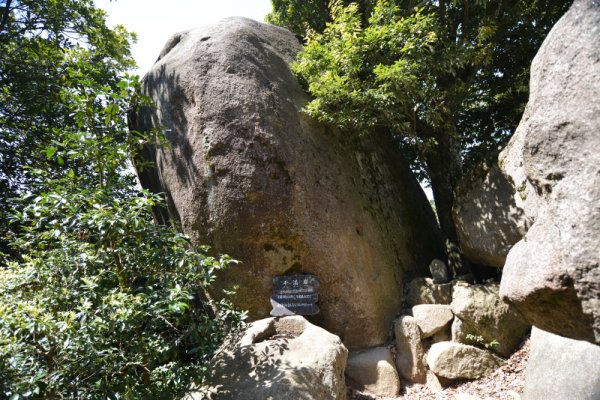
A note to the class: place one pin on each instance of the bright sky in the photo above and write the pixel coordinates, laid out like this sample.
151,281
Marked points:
155,21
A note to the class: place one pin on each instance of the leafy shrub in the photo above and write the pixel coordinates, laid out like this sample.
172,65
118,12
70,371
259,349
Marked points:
96,300
106,304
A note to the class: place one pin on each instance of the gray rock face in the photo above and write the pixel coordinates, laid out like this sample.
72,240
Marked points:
250,175
432,318
439,271
561,368
424,291
487,218
445,335
457,332
373,370
459,361
283,358
552,275
410,355
482,313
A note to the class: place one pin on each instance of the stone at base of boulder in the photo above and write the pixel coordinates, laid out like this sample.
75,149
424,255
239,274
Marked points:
278,358
561,368
432,318
437,383
459,361
410,355
373,370
424,291
483,314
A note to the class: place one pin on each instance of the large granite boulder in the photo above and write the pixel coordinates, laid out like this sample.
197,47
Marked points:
561,368
552,275
278,358
246,172
482,314
487,218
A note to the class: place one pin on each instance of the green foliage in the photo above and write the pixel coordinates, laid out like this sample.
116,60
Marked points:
299,16
479,341
447,80
305,16
105,303
460,67
47,49
100,302
96,301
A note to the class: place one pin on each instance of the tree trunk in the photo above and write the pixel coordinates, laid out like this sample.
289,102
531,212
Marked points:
444,167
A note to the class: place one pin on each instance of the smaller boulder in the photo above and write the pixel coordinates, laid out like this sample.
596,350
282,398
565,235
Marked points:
439,271
425,291
432,318
561,368
482,314
460,361
373,370
410,355
488,220
278,358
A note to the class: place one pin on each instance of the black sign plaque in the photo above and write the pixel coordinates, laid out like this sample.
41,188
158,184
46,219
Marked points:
295,295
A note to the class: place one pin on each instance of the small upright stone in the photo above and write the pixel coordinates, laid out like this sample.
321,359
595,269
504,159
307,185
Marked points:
457,331
410,356
432,318
373,370
439,271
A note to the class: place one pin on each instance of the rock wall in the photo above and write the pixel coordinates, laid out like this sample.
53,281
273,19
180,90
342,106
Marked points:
248,173
552,275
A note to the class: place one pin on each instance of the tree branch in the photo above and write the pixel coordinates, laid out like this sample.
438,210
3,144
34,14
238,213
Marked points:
5,16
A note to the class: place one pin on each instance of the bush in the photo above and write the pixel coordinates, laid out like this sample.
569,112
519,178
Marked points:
96,300
106,304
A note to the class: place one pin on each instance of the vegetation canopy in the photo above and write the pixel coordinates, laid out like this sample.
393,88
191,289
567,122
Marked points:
447,79
96,300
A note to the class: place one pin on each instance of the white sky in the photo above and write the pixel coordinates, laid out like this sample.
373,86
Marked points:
155,21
